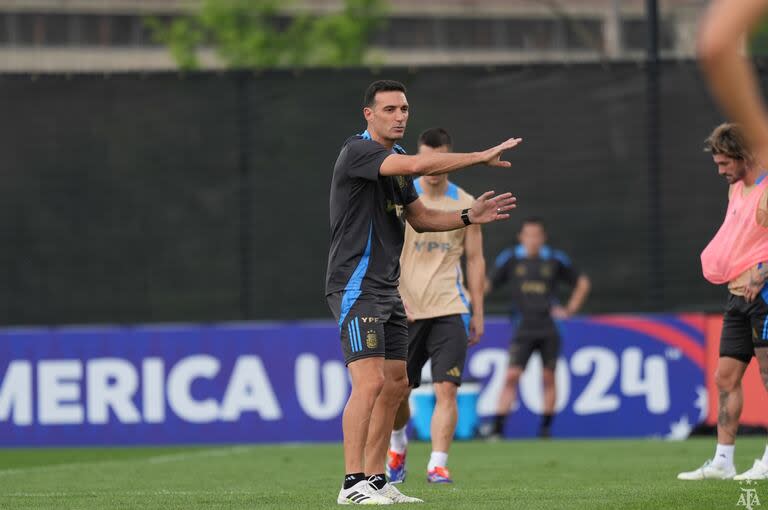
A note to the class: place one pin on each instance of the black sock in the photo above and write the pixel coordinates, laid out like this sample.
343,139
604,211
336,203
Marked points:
352,478
546,420
498,423
378,480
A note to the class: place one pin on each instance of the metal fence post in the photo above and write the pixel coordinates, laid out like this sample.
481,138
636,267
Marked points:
245,192
655,223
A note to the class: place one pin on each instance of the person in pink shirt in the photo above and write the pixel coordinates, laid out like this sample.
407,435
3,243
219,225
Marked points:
738,256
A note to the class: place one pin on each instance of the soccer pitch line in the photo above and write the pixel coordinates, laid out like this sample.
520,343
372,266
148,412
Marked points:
215,452
157,459
61,494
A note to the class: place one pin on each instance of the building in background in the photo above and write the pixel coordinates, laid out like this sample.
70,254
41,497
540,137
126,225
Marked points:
111,35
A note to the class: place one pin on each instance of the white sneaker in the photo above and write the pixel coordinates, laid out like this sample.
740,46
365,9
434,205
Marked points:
759,471
391,492
362,493
709,471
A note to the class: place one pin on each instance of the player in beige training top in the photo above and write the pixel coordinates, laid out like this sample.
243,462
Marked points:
437,304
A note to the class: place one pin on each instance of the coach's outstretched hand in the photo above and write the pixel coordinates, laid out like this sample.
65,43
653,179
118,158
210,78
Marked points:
492,156
488,208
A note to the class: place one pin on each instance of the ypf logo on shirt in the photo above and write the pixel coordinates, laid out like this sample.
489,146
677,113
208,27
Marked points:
391,206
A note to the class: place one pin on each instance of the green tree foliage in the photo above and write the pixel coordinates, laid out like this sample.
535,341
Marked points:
758,40
246,34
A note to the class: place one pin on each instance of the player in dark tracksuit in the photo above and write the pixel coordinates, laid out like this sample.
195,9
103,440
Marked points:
534,271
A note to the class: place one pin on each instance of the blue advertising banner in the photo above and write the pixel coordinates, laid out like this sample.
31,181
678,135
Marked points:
619,376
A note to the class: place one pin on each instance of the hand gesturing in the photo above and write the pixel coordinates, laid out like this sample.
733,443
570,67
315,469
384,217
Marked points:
492,156
488,208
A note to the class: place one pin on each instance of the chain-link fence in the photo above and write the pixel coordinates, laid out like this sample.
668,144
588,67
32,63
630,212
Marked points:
205,197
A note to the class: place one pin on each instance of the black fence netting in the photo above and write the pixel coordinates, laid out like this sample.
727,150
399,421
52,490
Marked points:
205,197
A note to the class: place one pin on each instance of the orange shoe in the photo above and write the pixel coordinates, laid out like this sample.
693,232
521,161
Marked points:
439,475
395,467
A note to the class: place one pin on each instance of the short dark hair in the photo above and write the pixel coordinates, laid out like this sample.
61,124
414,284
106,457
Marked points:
729,140
533,220
435,137
381,86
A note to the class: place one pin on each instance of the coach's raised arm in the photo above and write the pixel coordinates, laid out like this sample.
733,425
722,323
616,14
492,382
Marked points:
442,163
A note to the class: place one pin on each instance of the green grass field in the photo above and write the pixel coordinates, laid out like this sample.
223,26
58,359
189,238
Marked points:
513,474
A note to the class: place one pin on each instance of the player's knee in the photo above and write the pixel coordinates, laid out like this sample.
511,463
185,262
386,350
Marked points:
445,392
397,386
726,381
513,376
371,386
403,388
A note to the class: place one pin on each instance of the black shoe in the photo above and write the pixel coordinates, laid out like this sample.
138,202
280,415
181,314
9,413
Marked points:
545,433
486,432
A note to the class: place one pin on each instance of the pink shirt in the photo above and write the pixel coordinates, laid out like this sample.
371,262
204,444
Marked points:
741,242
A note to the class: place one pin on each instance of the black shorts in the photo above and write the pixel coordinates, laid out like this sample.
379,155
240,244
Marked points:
371,325
526,342
745,328
444,341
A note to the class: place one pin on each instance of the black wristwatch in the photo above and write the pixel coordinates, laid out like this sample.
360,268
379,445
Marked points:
465,217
